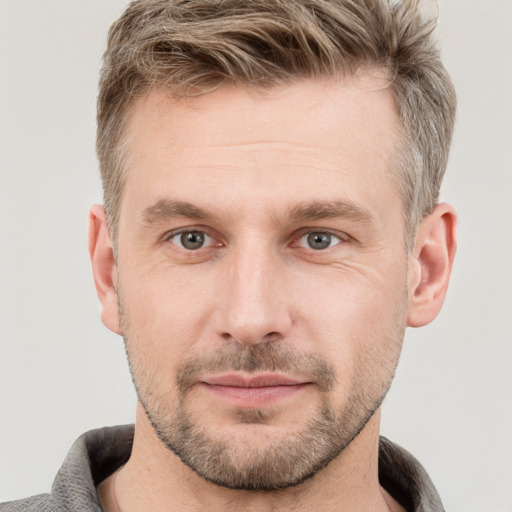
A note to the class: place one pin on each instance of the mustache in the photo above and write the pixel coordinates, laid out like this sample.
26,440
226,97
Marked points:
264,357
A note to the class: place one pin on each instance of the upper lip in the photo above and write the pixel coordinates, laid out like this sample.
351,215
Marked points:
251,381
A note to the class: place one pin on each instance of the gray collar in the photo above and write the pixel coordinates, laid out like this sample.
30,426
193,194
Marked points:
98,453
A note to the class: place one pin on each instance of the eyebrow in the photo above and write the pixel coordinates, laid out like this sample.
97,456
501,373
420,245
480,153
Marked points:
166,209
319,210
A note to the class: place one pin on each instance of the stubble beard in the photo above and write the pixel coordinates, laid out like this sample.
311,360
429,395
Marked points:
243,464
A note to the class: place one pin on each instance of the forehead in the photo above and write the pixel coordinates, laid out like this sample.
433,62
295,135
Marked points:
281,144
312,106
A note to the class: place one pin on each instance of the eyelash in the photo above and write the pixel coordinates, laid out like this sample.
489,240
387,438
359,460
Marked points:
169,236
342,237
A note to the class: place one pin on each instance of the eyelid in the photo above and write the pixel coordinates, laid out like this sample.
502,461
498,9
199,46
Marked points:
207,240
169,235
185,229
166,237
338,234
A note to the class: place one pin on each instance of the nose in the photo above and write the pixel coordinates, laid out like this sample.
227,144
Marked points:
254,305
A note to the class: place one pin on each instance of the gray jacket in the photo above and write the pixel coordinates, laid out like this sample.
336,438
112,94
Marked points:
98,453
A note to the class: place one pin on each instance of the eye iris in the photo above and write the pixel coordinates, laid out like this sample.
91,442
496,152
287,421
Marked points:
192,240
319,241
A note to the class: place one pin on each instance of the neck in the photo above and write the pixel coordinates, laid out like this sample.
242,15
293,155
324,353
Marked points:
155,479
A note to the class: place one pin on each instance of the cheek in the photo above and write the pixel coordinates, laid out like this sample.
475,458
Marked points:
342,299
355,318
165,313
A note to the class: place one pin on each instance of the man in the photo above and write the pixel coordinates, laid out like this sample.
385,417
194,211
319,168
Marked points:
271,172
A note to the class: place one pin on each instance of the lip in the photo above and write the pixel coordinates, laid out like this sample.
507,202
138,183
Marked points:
253,390
261,380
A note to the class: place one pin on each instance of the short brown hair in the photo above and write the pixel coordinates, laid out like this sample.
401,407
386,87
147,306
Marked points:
191,47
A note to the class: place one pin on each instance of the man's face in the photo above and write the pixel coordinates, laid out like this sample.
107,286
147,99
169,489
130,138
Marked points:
262,274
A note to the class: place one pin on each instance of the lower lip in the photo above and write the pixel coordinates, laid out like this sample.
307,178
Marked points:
253,397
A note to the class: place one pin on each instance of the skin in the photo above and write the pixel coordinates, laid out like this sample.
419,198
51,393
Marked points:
246,165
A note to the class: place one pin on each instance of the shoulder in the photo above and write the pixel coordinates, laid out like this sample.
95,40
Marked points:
39,503
92,458
405,479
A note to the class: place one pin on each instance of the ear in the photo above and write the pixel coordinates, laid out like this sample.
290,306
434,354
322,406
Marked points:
104,267
431,265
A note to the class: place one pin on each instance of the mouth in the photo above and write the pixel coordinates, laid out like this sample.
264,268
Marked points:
253,390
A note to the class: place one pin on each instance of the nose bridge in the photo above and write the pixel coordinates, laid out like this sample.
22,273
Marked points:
254,308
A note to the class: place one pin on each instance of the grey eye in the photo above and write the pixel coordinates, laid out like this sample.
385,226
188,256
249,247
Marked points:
191,240
318,240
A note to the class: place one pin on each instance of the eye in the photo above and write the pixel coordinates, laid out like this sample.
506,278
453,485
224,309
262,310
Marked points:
319,240
191,240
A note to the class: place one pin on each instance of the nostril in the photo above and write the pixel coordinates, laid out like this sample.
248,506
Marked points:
251,340
271,337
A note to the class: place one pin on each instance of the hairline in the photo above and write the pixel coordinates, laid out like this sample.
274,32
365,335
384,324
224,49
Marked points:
403,155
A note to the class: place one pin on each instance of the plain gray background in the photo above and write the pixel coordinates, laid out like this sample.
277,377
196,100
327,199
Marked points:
62,372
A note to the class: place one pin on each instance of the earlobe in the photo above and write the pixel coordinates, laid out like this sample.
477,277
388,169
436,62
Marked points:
103,267
433,256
